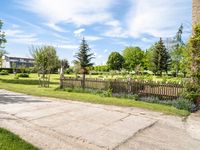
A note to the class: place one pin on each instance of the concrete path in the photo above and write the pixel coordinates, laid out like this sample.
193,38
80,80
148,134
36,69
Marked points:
53,124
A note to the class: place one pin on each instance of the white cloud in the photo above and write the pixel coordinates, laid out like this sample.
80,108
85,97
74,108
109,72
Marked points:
78,32
78,12
19,36
105,51
55,27
159,18
58,45
115,30
92,38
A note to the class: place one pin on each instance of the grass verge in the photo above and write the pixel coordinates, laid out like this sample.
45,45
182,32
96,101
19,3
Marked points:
30,87
10,141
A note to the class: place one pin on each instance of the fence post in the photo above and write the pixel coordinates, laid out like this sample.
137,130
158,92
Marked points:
62,82
129,86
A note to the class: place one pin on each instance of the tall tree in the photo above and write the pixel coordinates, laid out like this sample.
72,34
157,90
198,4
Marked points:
64,64
160,58
177,52
148,65
46,60
115,61
195,54
84,58
2,42
133,57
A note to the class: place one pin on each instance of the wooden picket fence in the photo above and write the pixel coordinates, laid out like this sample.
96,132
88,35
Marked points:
161,90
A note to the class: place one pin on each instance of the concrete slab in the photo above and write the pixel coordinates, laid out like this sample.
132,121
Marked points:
59,124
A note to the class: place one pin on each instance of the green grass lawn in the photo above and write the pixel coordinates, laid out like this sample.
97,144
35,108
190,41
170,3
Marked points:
10,141
30,86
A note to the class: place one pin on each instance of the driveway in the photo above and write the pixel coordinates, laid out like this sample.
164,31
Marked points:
53,124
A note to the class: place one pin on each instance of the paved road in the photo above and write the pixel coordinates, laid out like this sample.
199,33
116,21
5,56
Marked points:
53,124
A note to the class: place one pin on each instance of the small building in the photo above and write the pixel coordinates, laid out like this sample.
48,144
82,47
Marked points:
9,61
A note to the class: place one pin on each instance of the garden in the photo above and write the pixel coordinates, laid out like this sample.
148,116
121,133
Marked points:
158,78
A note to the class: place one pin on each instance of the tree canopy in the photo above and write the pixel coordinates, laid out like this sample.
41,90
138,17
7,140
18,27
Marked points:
160,58
83,59
195,54
115,61
2,42
46,60
133,57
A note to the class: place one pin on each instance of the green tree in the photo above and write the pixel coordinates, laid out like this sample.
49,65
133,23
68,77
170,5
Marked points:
195,54
185,62
46,60
2,42
160,58
133,57
64,64
177,52
84,58
115,61
176,59
148,65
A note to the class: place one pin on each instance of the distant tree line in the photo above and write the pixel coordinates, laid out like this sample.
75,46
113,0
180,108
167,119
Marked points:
157,58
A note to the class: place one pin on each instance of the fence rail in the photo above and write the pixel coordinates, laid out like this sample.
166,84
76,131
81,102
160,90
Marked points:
161,90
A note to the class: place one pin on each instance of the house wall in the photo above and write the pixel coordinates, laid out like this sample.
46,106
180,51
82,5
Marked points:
196,12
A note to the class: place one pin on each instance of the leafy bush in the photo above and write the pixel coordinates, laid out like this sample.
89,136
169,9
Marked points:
16,77
23,75
69,71
127,96
191,92
4,72
180,103
107,93
183,104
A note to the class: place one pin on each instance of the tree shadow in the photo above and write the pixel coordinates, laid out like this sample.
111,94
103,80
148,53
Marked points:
23,81
19,99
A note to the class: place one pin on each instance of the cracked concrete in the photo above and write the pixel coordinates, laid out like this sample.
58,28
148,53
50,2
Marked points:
57,124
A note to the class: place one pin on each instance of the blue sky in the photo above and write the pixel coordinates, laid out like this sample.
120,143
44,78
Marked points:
108,25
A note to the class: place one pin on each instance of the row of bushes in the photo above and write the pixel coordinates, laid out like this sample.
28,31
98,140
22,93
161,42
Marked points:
4,72
19,75
181,103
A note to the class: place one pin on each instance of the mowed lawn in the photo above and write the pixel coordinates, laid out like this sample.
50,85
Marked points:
30,86
10,141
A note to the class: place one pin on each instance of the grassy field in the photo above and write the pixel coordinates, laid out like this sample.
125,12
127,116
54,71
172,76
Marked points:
10,141
143,77
30,86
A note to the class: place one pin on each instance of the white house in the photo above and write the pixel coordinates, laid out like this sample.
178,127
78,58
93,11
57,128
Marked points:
8,61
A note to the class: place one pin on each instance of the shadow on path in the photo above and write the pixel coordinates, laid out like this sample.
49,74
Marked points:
18,99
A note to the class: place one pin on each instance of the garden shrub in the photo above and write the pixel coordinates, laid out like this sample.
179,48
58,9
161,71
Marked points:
191,92
184,104
4,72
23,75
16,77
180,103
107,93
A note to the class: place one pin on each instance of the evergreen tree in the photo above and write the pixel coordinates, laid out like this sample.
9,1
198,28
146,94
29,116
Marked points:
84,58
160,58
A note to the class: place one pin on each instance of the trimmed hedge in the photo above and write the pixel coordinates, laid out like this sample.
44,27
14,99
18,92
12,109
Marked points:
4,72
10,70
23,75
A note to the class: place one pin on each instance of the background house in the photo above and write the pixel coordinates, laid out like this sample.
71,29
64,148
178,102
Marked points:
9,61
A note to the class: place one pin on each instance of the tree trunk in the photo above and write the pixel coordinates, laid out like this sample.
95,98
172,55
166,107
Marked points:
83,81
